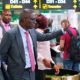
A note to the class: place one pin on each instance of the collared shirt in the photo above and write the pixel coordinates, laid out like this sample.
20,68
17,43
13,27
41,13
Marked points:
23,35
6,26
1,34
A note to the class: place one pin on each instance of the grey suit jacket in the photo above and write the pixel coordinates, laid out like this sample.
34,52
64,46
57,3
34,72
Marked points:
12,46
11,26
1,75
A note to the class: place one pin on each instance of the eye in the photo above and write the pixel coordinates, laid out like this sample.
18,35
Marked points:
8,15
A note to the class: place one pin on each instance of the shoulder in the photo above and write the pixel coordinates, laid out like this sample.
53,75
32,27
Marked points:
73,30
64,36
13,25
13,30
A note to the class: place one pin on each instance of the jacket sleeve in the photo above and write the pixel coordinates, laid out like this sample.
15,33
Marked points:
48,36
5,45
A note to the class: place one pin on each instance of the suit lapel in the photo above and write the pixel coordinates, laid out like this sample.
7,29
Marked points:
32,36
31,31
20,44
11,26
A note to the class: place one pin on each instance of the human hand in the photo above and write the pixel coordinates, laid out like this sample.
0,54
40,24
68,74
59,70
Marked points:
56,68
52,44
46,62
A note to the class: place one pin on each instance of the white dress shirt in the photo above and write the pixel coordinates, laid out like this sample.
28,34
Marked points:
23,35
1,34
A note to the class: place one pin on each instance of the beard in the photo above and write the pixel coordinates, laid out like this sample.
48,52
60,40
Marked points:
6,21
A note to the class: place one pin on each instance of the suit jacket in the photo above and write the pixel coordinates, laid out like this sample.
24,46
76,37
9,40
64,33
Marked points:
11,26
4,72
12,46
1,75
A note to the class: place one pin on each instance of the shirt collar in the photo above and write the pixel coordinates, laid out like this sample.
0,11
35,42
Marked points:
21,29
3,23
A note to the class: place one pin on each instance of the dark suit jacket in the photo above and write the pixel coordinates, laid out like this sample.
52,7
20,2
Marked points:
4,72
1,75
12,46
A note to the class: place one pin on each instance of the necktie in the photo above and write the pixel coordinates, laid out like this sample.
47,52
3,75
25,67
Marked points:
7,27
31,54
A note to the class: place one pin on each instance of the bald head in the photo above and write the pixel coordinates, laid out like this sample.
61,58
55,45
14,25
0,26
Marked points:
26,13
26,19
6,16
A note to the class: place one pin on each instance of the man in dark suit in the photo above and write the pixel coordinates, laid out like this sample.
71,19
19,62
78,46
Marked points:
5,26
15,46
